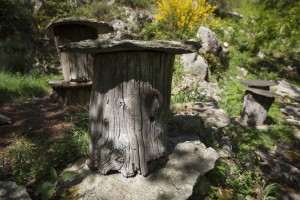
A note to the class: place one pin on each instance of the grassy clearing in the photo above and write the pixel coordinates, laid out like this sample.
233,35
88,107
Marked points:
17,87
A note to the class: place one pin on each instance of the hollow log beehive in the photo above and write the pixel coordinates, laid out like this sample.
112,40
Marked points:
129,102
77,66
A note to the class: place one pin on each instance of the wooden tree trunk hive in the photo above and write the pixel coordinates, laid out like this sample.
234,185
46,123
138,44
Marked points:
129,102
257,102
77,66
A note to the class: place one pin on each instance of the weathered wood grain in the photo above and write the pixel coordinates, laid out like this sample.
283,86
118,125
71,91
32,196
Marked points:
75,66
123,137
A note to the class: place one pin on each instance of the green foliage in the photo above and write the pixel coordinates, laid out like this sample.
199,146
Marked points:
28,162
136,3
47,190
238,174
268,26
53,9
192,93
56,187
232,101
215,66
102,11
231,177
20,87
17,36
269,190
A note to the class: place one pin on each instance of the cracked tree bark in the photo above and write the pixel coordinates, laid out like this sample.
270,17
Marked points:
128,111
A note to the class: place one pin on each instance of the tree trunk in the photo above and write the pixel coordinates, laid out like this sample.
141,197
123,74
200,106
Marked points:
128,110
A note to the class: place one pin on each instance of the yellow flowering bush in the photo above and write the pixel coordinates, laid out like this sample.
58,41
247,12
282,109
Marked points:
183,15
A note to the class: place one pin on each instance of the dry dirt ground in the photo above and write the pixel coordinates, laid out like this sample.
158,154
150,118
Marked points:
38,117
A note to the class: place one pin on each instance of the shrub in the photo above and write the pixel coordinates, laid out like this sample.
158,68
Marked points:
136,3
183,16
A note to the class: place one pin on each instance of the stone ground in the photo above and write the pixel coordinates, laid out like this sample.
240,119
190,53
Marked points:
188,160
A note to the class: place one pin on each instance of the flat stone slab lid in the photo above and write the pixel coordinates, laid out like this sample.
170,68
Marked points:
105,46
68,84
263,92
102,27
259,83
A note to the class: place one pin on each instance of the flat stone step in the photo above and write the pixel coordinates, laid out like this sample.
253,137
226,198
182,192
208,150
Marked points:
263,92
259,83
68,84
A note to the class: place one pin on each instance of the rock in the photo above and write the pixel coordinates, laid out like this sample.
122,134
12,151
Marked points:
226,152
209,113
209,40
119,35
209,91
224,55
10,190
291,110
196,64
261,54
216,118
4,120
242,73
193,108
235,14
119,25
187,161
286,89
100,46
204,119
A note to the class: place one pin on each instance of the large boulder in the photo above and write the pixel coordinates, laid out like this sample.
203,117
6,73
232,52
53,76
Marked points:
196,64
212,57
287,90
187,161
209,41
211,116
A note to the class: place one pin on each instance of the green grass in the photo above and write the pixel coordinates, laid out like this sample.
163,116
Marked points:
17,87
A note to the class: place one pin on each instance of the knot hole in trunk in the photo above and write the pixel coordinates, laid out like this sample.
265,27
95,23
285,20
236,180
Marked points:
153,103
